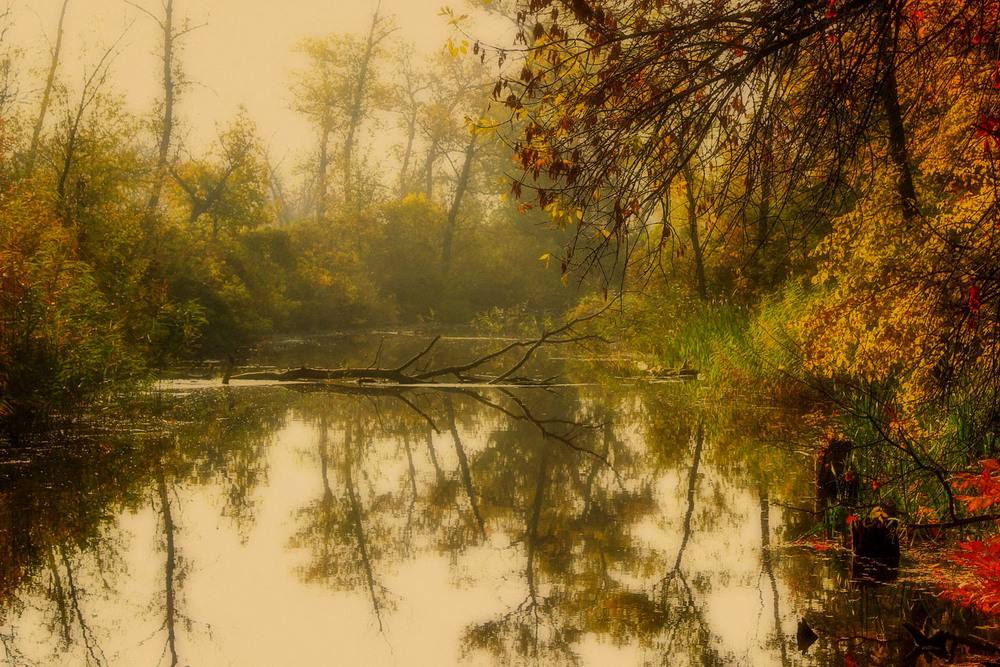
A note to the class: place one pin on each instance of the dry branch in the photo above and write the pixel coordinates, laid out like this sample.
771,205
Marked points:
467,372
557,430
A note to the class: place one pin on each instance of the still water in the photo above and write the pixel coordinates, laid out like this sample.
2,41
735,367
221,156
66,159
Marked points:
600,522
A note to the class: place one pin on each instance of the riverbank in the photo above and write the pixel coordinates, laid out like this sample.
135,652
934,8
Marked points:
927,459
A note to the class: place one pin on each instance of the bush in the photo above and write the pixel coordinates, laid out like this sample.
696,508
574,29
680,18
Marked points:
60,339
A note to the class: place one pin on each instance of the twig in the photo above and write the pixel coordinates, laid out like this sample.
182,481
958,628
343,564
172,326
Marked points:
957,522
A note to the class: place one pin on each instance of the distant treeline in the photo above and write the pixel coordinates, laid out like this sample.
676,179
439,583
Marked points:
121,248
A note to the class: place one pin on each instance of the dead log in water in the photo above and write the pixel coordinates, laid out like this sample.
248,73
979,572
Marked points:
495,367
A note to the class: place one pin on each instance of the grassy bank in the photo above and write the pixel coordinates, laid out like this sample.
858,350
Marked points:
928,463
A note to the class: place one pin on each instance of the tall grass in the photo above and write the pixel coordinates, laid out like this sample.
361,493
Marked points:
734,344
770,346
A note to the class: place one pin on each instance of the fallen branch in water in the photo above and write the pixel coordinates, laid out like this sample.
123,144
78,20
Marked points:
410,373
943,644
965,521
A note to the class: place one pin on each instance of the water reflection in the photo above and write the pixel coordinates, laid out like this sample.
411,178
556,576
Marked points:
259,525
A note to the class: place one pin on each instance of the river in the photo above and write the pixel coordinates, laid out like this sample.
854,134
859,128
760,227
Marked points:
600,521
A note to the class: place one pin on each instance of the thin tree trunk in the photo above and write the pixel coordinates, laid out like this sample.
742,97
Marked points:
699,266
667,230
357,519
597,466
321,177
429,171
357,107
169,92
60,595
170,566
50,81
766,172
67,164
531,533
411,129
278,192
90,643
764,215
460,188
692,490
897,133
439,474
463,464
327,503
765,560
411,467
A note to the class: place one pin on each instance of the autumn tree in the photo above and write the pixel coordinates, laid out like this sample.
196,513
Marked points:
338,92
619,100
860,133
73,128
457,93
231,188
408,100
907,322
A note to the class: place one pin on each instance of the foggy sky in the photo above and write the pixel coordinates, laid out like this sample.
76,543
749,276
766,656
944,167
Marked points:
241,53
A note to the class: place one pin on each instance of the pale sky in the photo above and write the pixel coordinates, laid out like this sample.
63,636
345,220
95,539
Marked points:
241,55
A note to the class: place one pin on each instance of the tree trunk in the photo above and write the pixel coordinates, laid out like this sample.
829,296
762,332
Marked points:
460,187
169,92
169,567
50,80
897,133
764,214
766,171
357,108
61,604
357,519
321,179
699,267
429,171
67,164
463,464
699,443
531,529
767,567
411,129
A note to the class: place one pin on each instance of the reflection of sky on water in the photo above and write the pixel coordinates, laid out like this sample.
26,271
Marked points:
301,523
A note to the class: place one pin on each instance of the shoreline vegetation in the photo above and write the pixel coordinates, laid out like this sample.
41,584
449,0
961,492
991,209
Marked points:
945,517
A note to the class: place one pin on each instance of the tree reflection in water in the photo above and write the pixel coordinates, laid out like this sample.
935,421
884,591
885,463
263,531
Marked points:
679,611
610,519
767,570
336,530
463,463
170,564
68,593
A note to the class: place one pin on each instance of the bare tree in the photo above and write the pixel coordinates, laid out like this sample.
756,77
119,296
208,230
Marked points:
92,85
170,35
50,80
